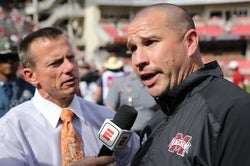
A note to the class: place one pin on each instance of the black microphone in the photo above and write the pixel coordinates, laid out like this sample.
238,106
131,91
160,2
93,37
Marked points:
115,133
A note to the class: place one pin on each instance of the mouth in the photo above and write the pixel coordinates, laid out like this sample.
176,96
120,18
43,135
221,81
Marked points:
149,79
148,76
70,82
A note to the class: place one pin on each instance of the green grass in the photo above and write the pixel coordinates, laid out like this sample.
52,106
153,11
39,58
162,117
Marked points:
248,88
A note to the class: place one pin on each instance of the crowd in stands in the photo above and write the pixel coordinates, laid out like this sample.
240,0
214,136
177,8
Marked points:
14,24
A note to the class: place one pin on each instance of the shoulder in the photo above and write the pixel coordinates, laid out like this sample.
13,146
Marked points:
93,110
18,115
224,91
226,100
95,114
125,78
25,108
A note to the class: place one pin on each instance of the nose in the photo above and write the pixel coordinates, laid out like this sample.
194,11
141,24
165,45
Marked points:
140,58
69,65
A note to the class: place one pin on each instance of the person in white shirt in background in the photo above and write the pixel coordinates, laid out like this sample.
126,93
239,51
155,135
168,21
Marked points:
88,81
113,68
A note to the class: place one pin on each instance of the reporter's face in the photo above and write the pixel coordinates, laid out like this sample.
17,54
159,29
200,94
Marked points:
158,53
56,71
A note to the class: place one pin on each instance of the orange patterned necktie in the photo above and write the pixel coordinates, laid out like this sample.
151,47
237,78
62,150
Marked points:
71,146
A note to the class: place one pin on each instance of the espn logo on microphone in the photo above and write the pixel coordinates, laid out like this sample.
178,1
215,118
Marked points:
112,136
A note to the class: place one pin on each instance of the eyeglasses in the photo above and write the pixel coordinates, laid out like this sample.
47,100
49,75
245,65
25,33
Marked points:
9,57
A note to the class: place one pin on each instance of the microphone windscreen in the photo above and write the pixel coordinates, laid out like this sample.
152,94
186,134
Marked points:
125,117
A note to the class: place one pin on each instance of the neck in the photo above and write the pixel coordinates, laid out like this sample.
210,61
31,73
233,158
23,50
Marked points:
57,99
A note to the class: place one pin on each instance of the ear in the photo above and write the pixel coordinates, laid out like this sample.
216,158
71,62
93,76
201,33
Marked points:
192,42
30,76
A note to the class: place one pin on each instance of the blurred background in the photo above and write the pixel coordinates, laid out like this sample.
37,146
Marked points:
97,27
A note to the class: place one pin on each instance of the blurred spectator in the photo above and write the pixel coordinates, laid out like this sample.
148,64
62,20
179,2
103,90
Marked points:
113,68
88,78
13,89
13,22
237,77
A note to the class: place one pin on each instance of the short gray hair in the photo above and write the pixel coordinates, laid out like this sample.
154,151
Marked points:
25,55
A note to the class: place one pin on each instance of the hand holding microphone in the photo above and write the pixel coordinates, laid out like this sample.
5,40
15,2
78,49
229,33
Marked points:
115,133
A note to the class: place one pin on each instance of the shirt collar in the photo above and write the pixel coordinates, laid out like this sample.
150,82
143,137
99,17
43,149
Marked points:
52,111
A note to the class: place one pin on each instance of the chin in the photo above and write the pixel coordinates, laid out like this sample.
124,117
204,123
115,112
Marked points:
153,92
70,91
156,91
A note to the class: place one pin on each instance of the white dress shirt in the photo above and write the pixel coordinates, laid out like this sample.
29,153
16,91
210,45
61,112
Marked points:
30,132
